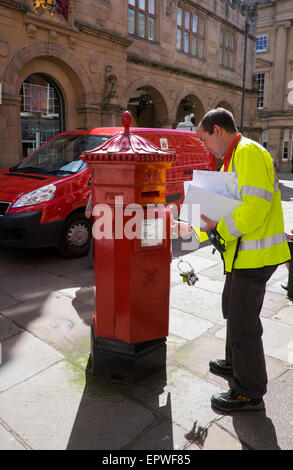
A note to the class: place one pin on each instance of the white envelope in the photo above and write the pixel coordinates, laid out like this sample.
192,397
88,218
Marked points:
213,205
217,182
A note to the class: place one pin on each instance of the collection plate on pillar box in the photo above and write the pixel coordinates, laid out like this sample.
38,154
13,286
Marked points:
152,232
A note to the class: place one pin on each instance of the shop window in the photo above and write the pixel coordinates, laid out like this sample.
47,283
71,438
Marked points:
41,112
227,48
190,33
260,80
142,18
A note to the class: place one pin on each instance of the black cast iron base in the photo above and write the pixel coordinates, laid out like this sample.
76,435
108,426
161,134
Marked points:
117,360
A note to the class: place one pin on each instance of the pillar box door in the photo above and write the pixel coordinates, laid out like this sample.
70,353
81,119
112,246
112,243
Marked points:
132,246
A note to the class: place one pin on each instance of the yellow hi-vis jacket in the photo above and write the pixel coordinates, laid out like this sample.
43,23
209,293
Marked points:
259,220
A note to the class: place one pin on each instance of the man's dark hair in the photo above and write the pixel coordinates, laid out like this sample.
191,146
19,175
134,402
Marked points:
220,117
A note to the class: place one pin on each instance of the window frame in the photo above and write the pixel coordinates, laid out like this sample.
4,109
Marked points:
265,138
224,48
148,18
194,39
258,41
260,93
286,145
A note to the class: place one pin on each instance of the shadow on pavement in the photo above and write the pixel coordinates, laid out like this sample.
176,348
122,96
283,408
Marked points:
115,416
34,283
255,430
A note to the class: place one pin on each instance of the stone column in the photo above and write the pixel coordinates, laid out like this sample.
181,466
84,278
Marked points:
10,131
280,65
165,123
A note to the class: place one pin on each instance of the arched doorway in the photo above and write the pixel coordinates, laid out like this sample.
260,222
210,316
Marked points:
42,111
148,107
191,106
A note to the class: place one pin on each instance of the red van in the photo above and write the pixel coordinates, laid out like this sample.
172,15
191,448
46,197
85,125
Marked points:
43,198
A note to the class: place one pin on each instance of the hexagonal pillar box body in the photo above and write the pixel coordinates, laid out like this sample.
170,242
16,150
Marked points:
132,255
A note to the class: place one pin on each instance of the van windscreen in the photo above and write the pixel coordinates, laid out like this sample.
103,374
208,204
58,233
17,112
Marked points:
60,155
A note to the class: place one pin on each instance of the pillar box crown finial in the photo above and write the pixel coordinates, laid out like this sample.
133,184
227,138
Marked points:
126,121
128,146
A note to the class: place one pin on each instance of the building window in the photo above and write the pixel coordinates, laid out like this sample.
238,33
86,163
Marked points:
190,33
262,43
142,18
227,48
260,80
285,151
42,111
265,139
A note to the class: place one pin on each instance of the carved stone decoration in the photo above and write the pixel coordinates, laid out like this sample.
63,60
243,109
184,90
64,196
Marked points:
94,63
71,11
31,30
52,7
110,82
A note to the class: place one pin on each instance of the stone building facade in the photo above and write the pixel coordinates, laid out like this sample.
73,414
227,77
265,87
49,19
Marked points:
274,74
79,63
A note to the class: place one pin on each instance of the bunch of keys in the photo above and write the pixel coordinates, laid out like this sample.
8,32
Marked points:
188,276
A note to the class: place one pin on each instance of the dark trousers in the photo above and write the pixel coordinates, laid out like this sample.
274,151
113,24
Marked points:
242,301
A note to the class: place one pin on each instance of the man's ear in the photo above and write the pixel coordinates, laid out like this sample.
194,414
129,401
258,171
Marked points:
218,130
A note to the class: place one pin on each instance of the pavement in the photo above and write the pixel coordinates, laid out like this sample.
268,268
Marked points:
49,399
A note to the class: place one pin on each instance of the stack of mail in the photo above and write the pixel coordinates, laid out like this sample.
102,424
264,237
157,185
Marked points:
210,193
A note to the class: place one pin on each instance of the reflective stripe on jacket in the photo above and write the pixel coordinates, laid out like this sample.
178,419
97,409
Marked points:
259,220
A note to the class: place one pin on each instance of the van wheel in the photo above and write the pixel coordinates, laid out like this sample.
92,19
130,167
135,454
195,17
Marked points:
75,236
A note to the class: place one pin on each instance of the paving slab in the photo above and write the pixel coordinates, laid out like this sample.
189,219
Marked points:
197,262
276,338
185,397
163,434
48,260
173,343
8,328
274,302
60,409
196,354
6,300
279,408
8,441
216,438
285,315
215,272
23,355
58,320
198,302
255,430
186,325
272,428
34,284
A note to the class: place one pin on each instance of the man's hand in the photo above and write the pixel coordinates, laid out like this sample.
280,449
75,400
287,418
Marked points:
210,224
179,229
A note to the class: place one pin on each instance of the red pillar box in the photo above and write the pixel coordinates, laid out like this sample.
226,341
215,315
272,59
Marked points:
132,255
